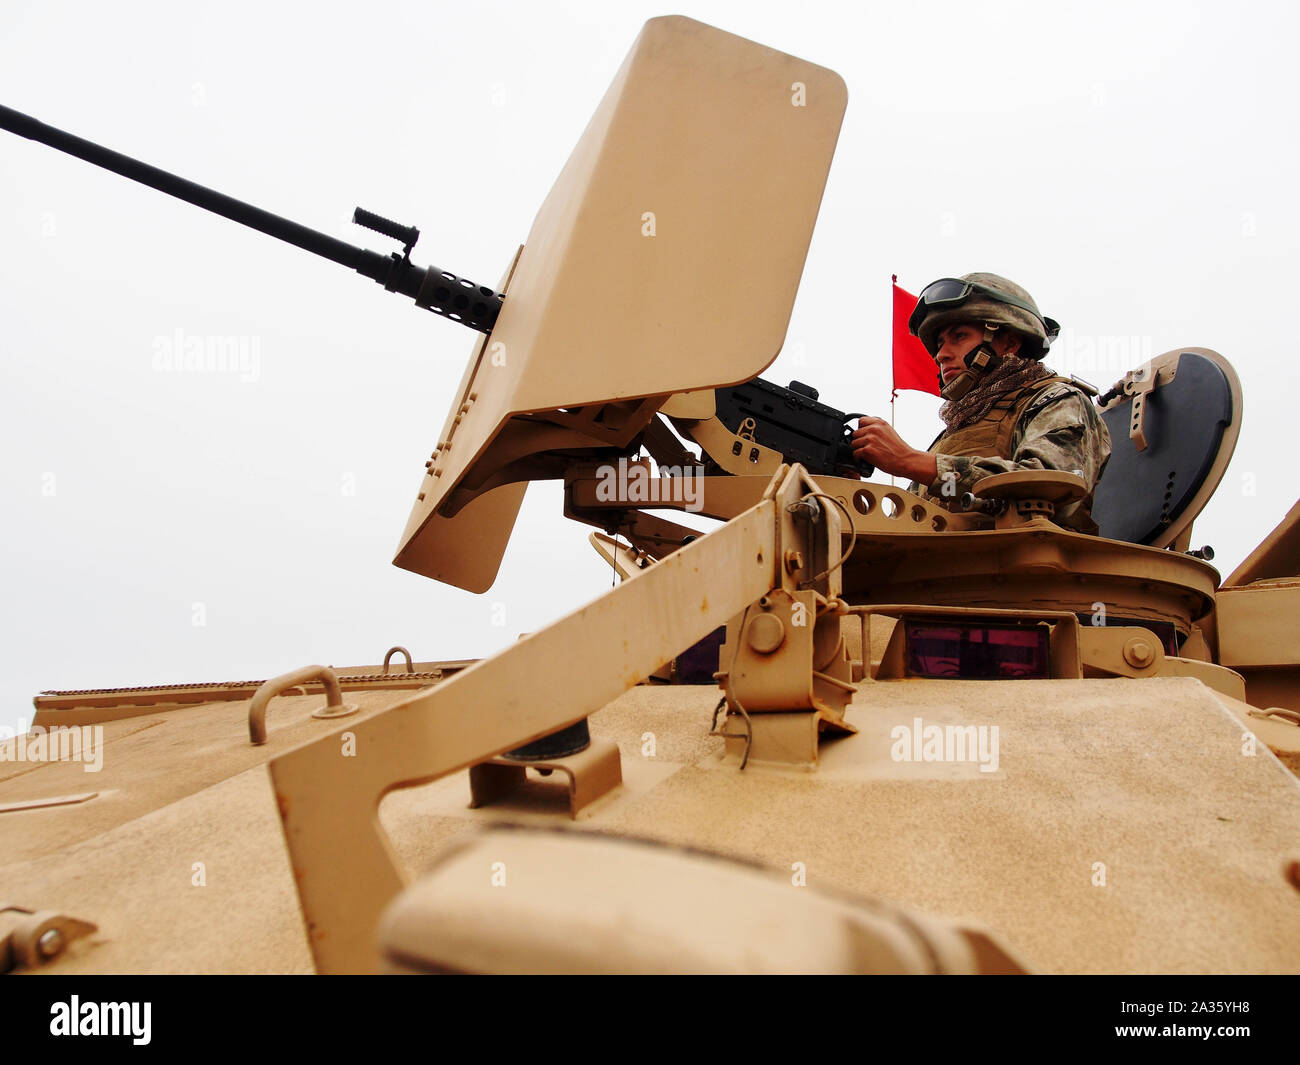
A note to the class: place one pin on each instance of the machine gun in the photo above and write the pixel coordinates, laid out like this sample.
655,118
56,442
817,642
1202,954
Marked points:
791,421
434,289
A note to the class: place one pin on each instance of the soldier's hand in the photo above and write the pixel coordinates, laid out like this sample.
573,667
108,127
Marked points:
875,441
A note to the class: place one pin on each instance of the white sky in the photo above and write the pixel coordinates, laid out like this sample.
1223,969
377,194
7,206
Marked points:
1133,165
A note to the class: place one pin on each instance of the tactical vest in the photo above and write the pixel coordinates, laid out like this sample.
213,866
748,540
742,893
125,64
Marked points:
991,435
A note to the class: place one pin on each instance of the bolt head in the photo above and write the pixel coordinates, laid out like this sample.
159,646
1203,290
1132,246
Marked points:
765,633
1139,653
50,943
793,561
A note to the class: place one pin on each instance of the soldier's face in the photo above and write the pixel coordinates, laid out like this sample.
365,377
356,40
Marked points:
955,343
958,341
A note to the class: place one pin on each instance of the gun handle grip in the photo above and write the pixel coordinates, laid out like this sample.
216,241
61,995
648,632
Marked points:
408,235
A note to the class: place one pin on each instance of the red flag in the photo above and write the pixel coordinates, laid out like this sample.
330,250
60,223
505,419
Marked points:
913,367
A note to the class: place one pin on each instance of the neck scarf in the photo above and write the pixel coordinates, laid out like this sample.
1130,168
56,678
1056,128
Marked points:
1013,374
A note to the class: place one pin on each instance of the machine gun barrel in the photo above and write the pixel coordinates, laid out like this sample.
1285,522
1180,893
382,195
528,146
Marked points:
434,289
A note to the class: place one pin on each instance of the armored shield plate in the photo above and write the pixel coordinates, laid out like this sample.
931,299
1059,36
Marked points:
665,259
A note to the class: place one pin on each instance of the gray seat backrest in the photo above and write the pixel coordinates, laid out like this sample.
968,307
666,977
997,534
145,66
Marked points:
1189,419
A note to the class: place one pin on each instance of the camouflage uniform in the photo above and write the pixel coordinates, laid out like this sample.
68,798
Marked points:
1048,425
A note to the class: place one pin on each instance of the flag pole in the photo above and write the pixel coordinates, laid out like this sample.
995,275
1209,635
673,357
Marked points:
893,392
893,395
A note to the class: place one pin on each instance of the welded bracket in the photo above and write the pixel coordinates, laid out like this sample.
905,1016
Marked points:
1142,382
31,938
787,672
788,675
591,773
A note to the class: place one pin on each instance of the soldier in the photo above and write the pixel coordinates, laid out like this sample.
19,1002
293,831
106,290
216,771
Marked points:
1005,412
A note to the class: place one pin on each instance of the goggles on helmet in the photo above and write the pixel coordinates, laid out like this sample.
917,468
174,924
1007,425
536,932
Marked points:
953,292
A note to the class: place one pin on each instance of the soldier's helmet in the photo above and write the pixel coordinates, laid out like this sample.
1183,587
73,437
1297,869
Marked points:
981,298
